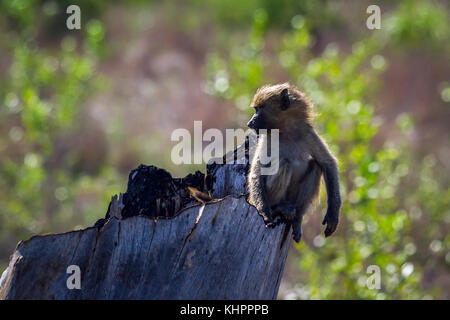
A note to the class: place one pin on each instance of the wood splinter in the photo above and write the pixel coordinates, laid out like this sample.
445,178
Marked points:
201,197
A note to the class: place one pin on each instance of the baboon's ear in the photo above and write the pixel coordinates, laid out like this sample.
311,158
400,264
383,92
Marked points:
285,102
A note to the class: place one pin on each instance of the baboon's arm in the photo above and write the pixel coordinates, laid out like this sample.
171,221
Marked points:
257,193
321,153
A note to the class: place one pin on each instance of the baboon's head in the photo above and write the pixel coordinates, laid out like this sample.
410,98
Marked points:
281,107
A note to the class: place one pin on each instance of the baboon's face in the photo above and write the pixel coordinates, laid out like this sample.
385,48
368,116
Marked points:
270,113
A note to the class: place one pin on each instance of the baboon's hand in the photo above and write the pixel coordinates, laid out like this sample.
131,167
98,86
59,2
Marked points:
268,220
272,224
331,220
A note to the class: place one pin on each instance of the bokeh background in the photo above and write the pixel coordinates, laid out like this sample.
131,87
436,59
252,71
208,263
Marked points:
80,108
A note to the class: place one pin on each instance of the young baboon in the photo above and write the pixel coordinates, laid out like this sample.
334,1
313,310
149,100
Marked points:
303,158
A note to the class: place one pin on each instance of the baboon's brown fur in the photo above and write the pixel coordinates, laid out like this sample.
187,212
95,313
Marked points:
303,158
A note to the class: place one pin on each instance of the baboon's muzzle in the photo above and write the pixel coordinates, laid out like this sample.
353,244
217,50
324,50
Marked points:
256,122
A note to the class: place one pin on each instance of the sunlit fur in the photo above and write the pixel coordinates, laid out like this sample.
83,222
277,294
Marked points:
303,158
302,108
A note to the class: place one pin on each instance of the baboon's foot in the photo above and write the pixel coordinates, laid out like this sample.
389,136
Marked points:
297,231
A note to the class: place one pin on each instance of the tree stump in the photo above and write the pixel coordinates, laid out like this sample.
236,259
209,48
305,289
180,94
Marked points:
157,243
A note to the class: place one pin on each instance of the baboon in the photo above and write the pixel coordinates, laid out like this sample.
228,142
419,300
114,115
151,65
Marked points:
303,158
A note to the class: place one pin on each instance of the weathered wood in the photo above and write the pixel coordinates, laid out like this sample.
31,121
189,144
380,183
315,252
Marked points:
229,177
227,254
218,251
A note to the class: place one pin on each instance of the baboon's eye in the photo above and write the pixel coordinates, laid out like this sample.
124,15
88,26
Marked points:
258,108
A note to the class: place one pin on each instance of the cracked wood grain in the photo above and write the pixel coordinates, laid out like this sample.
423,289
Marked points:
220,250
231,255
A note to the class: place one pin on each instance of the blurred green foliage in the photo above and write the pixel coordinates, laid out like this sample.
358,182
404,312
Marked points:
41,94
420,25
238,14
396,206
